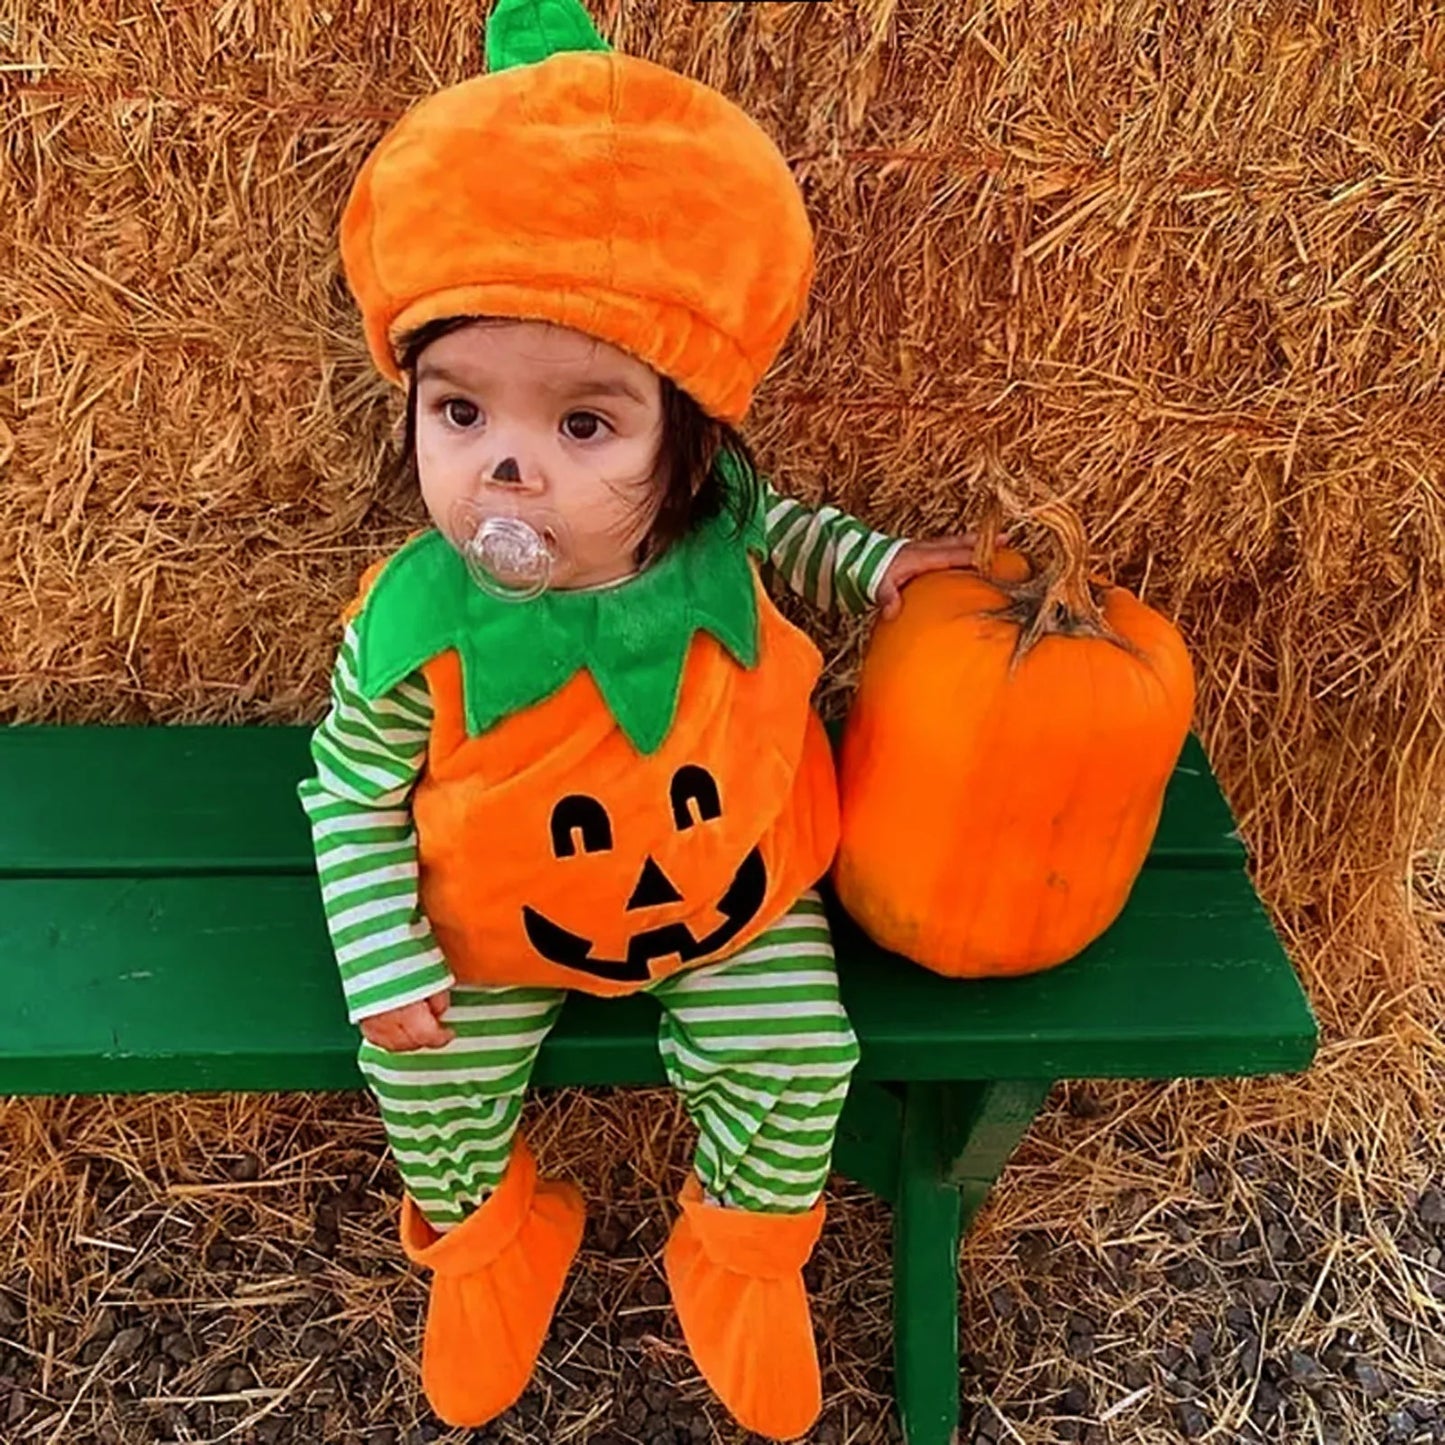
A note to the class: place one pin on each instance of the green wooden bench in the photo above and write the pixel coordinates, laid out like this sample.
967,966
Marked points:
160,929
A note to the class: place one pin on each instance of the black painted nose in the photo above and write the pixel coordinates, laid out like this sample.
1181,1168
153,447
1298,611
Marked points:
507,470
652,888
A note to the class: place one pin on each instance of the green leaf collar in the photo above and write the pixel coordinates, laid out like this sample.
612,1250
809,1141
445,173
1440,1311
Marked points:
633,638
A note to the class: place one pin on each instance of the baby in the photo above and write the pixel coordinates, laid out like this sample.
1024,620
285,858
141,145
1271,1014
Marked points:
571,745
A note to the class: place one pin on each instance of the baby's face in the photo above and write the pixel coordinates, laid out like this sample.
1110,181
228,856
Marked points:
579,420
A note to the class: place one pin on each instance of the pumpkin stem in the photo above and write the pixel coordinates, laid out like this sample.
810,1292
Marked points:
1068,578
1059,601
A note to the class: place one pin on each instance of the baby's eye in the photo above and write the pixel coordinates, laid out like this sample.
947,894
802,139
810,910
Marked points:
582,426
459,412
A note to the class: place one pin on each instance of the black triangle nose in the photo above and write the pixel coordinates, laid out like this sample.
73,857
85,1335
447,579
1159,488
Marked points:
652,888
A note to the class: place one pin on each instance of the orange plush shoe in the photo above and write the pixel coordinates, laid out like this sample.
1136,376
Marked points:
497,1277
737,1282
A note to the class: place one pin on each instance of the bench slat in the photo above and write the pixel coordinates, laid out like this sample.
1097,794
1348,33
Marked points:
223,800
152,800
125,984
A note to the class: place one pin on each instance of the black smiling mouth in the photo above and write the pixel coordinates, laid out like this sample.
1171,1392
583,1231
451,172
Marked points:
738,906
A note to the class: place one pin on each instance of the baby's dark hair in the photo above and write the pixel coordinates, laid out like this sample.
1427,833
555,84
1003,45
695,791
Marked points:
696,449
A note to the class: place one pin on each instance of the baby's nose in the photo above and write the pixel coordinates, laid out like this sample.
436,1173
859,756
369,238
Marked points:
515,474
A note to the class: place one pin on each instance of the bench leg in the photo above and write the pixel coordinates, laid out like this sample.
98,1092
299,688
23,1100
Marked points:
927,1227
956,1140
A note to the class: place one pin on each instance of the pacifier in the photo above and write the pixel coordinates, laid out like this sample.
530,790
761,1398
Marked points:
511,549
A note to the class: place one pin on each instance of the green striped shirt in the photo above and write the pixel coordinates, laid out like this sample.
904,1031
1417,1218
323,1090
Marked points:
368,756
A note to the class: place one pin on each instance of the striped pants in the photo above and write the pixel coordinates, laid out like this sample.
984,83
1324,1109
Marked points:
758,1046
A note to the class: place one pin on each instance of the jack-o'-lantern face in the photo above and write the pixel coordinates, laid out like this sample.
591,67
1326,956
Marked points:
582,826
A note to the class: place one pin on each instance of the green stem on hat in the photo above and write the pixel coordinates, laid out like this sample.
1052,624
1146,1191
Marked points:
523,32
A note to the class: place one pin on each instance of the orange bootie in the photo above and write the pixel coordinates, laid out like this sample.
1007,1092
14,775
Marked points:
737,1281
497,1279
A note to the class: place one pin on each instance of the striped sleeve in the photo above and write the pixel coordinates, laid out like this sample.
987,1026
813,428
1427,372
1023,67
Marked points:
368,756
826,556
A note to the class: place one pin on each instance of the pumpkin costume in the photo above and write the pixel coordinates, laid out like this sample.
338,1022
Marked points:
604,790
606,752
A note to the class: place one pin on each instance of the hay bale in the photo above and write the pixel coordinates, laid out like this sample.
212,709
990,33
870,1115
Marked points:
1179,264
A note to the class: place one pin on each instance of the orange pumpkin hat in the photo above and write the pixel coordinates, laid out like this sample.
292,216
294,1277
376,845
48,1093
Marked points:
594,190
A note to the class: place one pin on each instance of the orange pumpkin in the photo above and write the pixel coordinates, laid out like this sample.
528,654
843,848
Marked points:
554,854
1004,763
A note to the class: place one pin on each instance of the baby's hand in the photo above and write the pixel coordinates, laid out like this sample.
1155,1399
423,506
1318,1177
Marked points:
412,1026
919,557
